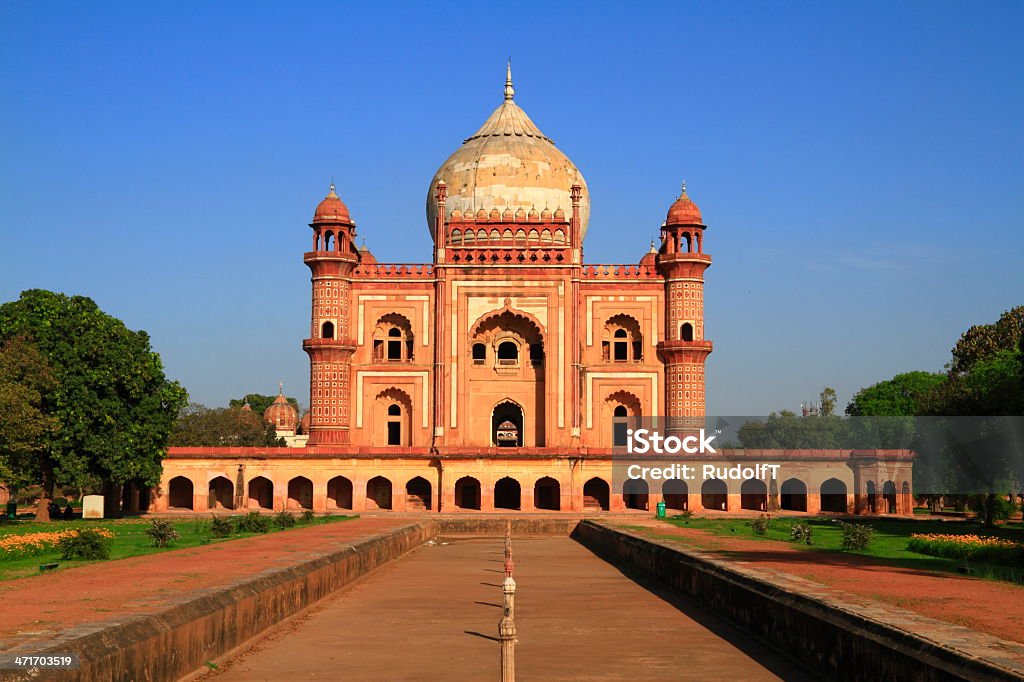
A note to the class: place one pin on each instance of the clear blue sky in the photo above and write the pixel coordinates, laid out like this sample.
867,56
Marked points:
859,165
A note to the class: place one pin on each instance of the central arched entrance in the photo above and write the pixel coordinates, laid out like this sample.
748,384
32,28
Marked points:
467,493
507,425
507,494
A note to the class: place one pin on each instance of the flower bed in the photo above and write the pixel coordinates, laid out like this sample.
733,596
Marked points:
976,547
31,544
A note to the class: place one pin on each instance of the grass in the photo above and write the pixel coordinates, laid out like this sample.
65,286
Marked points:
130,539
888,545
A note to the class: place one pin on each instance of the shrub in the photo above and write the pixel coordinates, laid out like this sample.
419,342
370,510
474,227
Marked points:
88,543
253,522
802,532
856,536
162,532
284,519
221,527
307,516
964,547
761,524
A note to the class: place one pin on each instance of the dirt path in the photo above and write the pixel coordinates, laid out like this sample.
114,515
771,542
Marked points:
40,606
434,616
996,608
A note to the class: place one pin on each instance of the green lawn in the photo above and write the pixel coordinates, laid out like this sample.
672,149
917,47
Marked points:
130,539
888,545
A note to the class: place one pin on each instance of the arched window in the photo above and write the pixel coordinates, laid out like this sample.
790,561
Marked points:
623,341
393,339
327,330
479,353
619,420
508,353
686,332
394,425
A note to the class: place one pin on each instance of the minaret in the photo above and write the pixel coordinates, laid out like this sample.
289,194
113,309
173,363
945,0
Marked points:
330,344
682,262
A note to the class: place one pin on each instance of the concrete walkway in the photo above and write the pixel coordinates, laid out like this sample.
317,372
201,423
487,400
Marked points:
434,616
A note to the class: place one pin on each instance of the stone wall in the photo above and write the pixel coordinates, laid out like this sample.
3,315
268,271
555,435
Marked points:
831,639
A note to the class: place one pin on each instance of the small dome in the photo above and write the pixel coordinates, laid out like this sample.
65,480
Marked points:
281,414
332,209
650,256
683,211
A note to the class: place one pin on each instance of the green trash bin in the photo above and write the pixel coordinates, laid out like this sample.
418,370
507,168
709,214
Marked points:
661,510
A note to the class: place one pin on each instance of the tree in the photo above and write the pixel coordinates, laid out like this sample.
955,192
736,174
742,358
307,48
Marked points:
983,340
828,401
25,377
112,404
200,426
901,396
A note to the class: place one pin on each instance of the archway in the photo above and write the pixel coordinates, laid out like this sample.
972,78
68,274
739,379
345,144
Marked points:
635,494
676,494
714,495
467,493
888,497
754,495
222,493
378,493
507,494
417,494
507,425
339,493
794,495
833,496
596,494
179,493
547,494
300,493
261,493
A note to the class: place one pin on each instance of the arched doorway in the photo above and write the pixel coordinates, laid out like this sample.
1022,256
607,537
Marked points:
222,493
547,494
888,497
754,495
507,425
676,494
261,493
300,493
833,496
378,493
467,493
507,494
417,494
794,495
714,495
635,494
596,494
339,493
179,493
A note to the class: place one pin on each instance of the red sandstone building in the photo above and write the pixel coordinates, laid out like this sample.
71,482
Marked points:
499,375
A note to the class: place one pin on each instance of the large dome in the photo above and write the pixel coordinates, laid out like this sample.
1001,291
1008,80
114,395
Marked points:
508,163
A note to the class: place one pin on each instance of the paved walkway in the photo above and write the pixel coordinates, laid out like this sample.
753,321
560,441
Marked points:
434,616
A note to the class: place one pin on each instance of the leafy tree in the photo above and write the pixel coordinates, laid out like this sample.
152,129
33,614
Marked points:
200,426
828,401
901,396
983,340
113,406
25,377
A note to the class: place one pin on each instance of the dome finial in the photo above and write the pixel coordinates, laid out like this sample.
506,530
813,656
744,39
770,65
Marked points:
509,90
